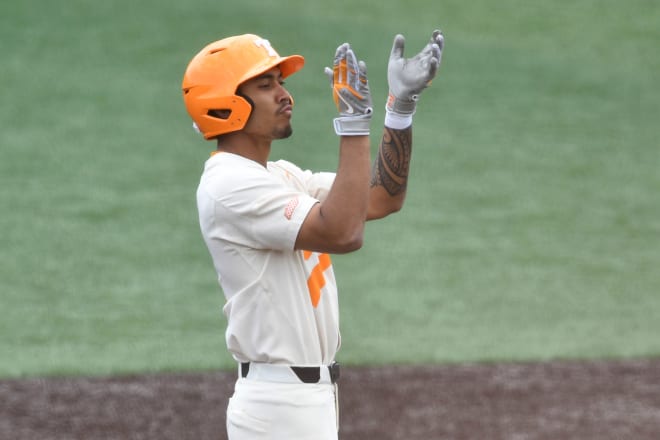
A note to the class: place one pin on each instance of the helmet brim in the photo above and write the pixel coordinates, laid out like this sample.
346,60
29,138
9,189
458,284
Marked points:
288,66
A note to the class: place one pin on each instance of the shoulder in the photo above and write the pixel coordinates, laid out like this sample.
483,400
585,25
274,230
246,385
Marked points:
226,174
230,161
289,173
227,167
284,166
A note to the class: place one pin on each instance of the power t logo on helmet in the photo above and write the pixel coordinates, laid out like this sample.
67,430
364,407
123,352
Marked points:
266,45
214,74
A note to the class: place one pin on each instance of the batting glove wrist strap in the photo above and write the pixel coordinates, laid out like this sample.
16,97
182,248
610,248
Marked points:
350,91
407,78
352,126
400,106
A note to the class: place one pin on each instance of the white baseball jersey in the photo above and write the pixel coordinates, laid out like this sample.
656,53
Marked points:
281,304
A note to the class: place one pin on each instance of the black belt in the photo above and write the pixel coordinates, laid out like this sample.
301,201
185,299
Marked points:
305,374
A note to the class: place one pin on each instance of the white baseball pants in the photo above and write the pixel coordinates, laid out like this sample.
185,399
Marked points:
261,410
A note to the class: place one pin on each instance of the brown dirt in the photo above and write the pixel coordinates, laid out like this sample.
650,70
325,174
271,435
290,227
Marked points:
555,400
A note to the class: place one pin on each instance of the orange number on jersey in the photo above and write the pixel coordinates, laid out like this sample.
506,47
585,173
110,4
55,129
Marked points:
316,280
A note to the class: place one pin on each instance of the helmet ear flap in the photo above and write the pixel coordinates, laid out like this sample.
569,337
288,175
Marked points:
223,115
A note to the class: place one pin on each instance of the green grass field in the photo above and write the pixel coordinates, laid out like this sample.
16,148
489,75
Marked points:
531,229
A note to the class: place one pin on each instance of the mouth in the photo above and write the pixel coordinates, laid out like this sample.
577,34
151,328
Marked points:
286,110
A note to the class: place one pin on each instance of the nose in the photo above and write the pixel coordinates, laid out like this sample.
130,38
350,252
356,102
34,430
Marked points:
284,95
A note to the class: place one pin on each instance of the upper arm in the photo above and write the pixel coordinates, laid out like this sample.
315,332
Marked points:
316,234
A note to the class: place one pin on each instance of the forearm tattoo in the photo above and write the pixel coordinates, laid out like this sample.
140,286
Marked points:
390,169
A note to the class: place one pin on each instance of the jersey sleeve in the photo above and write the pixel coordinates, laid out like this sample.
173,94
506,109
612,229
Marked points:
316,185
258,208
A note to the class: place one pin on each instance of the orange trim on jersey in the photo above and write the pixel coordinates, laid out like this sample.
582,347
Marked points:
316,279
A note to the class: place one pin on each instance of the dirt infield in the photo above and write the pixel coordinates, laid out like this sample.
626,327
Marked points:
557,400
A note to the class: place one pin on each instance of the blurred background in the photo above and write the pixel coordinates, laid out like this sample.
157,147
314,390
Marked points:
531,230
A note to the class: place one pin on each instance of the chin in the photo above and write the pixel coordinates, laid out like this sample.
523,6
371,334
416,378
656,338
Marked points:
284,133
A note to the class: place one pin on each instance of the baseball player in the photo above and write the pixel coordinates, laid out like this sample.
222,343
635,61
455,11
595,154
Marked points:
271,227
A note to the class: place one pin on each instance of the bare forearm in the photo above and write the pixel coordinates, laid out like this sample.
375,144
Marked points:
389,173
337,224
346,204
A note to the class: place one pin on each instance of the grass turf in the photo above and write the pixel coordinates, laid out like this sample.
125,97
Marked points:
531,228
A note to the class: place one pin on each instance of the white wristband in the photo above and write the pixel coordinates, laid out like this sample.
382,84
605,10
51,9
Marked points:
397,121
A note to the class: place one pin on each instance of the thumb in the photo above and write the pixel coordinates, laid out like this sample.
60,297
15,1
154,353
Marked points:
397,47
331,75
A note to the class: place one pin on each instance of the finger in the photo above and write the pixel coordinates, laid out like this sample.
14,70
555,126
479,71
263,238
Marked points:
438,39
342,72
344,65
352,69
330,74
364,87
433,69
397,47
339,64
437,52
341,50
363,84
436,42
436,55
363,70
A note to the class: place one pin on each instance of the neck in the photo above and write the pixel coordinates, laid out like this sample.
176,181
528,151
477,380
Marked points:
247,146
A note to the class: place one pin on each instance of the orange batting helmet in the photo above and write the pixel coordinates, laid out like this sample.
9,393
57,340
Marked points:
214,74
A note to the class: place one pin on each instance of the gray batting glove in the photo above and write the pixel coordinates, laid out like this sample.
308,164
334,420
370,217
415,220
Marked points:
350,91
407,78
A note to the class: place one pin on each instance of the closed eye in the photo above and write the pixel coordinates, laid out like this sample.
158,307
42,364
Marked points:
269,84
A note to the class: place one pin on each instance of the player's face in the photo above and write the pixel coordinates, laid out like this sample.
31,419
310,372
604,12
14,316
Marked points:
272,106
